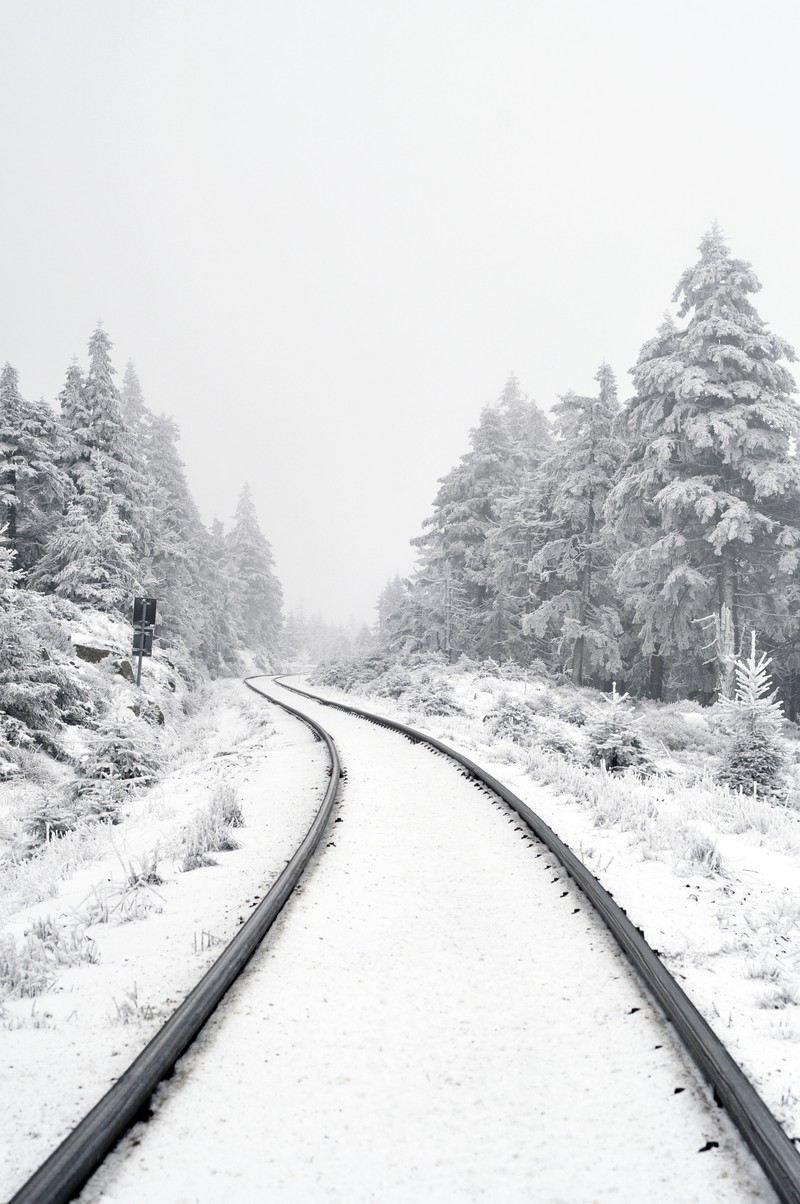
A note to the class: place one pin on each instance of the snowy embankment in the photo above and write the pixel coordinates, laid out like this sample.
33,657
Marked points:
436,1015
122,930
710,877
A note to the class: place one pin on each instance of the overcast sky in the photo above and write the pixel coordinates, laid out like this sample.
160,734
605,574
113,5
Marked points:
327,232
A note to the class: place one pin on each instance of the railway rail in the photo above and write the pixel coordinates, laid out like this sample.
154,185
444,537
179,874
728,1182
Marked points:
733,1091
59,1179
71,1165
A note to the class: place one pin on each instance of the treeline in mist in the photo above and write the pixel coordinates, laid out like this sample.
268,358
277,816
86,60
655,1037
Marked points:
638,542
95,509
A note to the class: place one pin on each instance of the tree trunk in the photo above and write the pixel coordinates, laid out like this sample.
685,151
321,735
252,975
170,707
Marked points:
655,684
726,629
11,510
586,593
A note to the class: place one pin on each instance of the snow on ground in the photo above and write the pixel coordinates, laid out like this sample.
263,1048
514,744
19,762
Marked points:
61,1050
731,938
437,1015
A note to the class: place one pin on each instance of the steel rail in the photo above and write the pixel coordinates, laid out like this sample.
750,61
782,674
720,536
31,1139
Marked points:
732,1090
74,1161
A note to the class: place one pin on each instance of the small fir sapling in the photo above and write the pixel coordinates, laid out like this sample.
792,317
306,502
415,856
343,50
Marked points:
753,760
613,736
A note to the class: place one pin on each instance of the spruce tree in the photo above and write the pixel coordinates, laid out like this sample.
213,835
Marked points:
136,413
94,555
754,759
89,557
473,608
258,597
581,610
707,503
33,487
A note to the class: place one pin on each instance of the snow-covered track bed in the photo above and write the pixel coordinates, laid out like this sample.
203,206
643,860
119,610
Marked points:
438,1015
731,1089
70,1166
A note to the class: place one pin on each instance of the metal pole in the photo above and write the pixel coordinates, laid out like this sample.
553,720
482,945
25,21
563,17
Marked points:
141,646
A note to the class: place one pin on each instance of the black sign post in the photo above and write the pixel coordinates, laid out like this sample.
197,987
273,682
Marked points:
144,620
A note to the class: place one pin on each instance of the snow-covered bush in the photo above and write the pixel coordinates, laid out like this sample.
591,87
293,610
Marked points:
613,736
123,756
554,735
668,726
754,759
570,708
511,718
49,817
123,752
430,696
393,683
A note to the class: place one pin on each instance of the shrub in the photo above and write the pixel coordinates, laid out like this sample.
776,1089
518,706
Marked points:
570,710
554,735
511,719
613,736
49,817
432,698
393,683
669,728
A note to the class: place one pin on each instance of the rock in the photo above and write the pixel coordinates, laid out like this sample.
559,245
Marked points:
93,655
125,669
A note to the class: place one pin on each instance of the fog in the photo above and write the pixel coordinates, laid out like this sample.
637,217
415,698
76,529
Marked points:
327,232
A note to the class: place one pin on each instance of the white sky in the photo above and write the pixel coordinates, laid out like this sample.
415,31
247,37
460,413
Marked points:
327,232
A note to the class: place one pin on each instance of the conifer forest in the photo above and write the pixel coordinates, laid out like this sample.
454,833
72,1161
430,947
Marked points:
97,510
640,539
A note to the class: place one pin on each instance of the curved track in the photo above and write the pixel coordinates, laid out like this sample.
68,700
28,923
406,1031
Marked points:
72,1164
732,1089
69,1167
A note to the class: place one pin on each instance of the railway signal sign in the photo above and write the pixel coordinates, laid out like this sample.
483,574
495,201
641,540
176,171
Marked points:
144,620
144,611
143,642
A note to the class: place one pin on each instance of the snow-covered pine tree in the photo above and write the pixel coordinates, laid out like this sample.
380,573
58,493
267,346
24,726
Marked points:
172,564
89,556
33,487
754,759
258,598
613,737
219,640
472,611
706,506
581,610
10,421
389,607
94,554
137,415
8,574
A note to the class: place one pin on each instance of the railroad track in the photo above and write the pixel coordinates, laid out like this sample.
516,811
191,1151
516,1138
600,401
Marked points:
66,1171
59,1179
732,1090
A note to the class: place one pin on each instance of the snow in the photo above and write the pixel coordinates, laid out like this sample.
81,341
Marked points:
63,1049
730,938
437,1015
